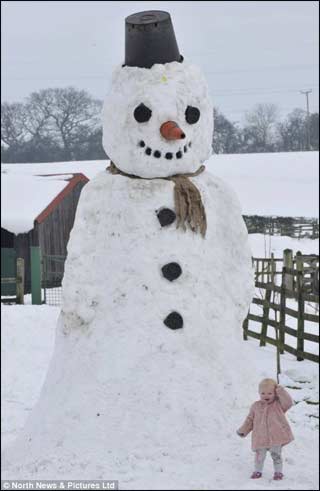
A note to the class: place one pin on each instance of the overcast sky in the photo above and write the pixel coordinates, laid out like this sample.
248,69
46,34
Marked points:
250,51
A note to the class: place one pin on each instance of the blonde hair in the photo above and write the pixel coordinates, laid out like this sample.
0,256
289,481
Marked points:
267,382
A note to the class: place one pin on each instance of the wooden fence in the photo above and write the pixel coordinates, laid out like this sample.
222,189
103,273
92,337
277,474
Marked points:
17,281
300,284
269,270
297,227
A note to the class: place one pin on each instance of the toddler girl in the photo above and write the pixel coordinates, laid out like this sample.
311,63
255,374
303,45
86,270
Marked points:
270,428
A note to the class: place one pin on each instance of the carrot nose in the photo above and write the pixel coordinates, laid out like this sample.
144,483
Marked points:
171,131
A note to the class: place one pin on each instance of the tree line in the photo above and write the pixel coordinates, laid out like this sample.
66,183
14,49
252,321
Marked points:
63,124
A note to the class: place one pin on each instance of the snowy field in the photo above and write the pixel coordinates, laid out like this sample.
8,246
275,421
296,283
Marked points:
285,184
28,334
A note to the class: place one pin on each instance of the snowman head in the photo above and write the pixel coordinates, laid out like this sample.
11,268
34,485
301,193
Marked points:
158,121
158,117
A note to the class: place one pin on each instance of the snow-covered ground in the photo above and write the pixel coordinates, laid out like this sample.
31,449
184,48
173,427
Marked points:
28,334
285,184
27,344
264,245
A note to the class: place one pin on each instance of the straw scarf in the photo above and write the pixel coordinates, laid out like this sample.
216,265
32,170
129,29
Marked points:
189,208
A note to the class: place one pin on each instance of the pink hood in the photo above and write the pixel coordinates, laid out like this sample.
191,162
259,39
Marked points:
268,422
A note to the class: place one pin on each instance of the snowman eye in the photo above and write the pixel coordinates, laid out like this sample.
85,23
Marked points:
192,114
142,113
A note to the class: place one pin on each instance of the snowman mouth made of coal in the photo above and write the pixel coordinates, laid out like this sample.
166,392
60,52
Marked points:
164,154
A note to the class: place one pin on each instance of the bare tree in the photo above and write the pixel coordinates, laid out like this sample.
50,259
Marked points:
291,132
68,114
37,122
226,136
261,126
314,131
13,117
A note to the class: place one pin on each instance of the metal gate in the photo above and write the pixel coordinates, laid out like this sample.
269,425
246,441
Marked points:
8,271
52,274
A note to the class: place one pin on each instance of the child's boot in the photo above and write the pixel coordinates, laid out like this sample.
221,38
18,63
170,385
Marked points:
256,475
278,476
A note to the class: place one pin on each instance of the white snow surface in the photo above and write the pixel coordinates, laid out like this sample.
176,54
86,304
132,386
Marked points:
28,334
89,168
24,197
167,90
123,391
285,184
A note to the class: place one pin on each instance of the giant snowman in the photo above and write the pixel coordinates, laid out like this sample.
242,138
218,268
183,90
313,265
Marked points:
148,371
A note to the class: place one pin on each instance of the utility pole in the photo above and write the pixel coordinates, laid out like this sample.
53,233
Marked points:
307,92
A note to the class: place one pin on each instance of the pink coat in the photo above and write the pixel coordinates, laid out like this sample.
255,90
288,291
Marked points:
268,422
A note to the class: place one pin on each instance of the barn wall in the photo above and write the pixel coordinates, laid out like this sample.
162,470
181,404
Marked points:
54,231
51,235
7,238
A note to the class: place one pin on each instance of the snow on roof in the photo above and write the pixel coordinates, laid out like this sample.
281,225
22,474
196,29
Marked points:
87,167
283,184
24,197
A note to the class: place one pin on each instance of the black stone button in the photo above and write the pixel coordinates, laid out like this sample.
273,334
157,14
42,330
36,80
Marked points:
166,217
171,271
174,321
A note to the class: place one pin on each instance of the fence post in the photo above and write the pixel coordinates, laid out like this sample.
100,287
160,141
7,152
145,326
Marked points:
273,269
282,321
20,281
35,275
300,328
288,263
269,269
314,275
299,267
44,276
256,271
266,308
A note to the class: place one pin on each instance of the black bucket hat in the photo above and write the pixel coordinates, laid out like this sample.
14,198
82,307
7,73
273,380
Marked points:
150,39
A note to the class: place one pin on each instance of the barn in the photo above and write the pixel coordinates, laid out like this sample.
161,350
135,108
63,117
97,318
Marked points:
38,210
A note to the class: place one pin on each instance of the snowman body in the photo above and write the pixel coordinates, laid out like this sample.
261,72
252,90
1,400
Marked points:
129,395
119,236
126,397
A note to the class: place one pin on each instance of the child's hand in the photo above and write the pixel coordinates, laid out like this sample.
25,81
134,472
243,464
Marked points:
240,434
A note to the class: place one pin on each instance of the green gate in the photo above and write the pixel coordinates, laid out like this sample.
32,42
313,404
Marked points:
52,274
8,271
